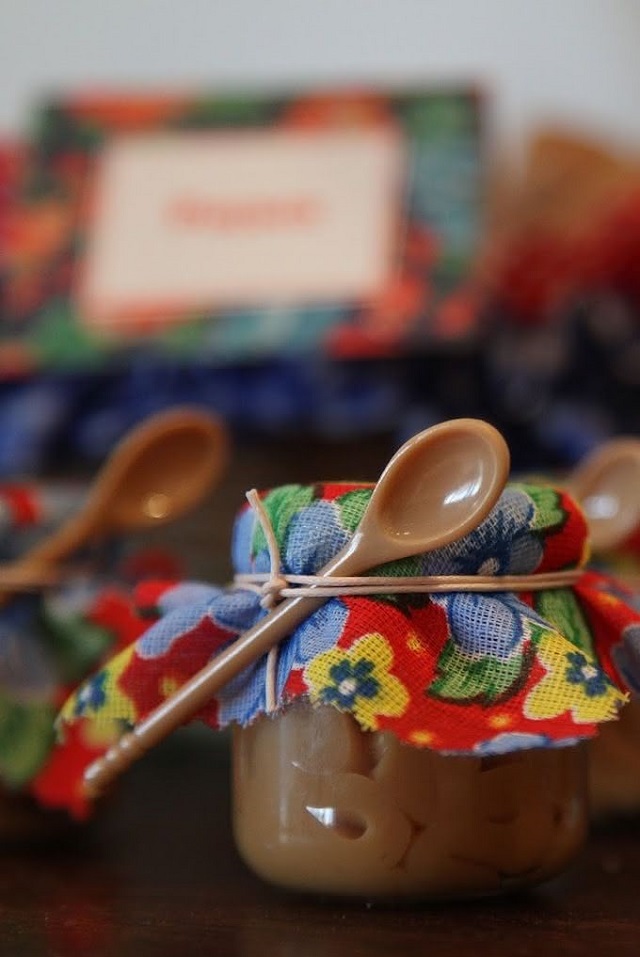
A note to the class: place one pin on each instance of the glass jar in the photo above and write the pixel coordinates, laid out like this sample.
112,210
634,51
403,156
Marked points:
322,806
614,765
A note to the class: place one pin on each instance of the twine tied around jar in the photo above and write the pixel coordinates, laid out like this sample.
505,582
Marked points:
276,585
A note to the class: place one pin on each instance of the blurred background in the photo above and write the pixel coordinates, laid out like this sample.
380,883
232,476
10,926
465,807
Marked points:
511,291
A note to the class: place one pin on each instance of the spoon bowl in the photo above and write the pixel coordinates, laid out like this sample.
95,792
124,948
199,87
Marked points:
607,485
439,485
424,501
155,474
161,469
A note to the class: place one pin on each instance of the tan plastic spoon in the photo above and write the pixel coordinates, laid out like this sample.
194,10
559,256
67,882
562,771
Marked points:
158,472
607,485
435,489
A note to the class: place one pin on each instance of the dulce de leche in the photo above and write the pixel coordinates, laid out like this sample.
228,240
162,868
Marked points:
321,805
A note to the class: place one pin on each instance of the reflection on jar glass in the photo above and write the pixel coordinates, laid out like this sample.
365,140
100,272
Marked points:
320,805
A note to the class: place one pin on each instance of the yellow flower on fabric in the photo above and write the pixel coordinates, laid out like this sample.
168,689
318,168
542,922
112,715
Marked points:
358,680
101,734
574,682
100,699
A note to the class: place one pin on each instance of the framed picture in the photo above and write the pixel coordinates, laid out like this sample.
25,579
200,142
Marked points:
234,228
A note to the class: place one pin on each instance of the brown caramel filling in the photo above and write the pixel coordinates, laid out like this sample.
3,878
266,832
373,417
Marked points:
322,805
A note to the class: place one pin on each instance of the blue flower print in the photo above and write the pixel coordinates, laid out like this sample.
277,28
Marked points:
236,610
580,671
245,697
319,632
160,637
350,682
92,695
187,593
493,625
314,536
501,545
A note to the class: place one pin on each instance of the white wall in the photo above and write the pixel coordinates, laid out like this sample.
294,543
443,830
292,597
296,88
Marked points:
570,60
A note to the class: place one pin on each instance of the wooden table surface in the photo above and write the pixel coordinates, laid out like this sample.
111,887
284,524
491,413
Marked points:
157,874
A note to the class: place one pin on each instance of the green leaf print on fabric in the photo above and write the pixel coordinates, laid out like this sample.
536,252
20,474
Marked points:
352,506
486,680
281,505
560,607
548,514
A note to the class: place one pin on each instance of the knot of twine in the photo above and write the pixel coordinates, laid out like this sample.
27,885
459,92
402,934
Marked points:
276,585
272,588
271,591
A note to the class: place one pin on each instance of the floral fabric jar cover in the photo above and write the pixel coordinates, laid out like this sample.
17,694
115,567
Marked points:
50,641
457,672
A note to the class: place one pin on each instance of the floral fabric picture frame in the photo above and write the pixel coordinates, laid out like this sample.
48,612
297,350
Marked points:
428,290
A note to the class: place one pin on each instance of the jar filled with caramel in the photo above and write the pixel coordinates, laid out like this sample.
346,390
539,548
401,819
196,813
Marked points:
420,733
614,767
320,805
430,744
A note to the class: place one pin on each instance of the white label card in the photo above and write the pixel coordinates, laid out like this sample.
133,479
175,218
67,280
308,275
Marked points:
201,221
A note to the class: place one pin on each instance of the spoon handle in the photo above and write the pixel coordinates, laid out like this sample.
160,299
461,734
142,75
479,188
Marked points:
42,560
198,691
